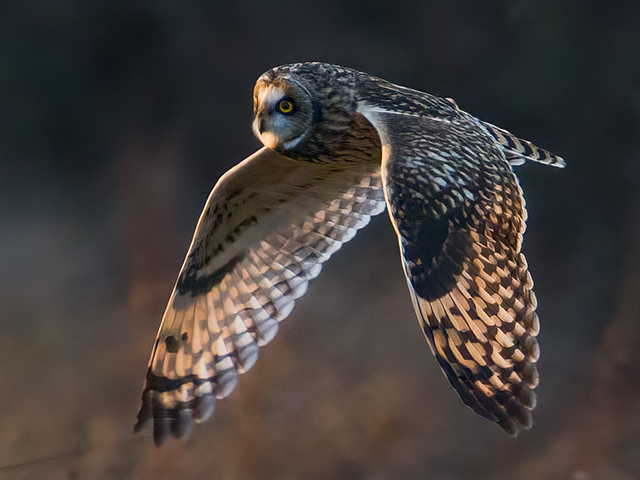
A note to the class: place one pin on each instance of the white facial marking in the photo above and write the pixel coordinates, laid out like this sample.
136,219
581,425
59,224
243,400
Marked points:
294,142
269,96
267,99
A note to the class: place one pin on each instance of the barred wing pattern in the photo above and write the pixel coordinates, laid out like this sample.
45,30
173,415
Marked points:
266,229
459,214
518,150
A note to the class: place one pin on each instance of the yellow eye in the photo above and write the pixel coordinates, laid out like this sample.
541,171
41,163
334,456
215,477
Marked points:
285,106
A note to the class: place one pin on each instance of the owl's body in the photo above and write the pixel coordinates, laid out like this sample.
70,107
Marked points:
340,146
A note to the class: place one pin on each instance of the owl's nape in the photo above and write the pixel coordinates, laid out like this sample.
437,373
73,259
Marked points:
343,145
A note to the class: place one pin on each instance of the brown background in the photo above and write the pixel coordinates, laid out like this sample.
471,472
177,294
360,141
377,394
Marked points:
116,119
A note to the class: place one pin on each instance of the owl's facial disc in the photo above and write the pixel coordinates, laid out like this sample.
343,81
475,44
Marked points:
282,112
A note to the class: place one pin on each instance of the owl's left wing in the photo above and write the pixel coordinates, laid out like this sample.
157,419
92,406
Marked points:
459,214
265,231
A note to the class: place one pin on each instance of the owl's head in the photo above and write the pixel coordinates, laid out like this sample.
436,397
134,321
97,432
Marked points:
283,111
300,102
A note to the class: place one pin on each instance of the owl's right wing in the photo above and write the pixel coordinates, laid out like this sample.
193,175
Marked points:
459,214
269,224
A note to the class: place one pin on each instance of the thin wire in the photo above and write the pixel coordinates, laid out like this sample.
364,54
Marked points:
76,453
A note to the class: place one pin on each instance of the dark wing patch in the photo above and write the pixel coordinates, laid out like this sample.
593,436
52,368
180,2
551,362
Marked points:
436,247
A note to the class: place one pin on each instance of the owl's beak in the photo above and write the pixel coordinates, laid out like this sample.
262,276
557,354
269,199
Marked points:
260,129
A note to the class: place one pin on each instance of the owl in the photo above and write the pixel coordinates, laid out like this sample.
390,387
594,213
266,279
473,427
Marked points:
340,146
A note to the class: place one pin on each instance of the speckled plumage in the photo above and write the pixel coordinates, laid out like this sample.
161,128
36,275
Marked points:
351,144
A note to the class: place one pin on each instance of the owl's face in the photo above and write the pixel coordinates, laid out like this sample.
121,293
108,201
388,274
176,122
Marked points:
283,111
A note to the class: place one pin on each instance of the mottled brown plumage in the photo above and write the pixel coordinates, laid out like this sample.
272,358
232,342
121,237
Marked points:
341,144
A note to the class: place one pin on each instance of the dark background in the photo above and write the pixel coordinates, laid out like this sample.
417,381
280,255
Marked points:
116,119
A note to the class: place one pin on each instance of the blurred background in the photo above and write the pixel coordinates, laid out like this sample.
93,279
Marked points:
117,118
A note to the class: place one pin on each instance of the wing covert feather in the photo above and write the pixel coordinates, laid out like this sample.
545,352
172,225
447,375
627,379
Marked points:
267,227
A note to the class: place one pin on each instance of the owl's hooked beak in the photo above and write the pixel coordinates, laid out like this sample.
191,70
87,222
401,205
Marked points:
268,139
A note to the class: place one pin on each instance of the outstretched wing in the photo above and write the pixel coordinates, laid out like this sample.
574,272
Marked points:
459,214
265,231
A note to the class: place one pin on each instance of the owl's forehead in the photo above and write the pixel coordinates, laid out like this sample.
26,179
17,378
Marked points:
269,90
269,94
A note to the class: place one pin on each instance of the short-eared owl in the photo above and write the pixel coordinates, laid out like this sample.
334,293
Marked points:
340,146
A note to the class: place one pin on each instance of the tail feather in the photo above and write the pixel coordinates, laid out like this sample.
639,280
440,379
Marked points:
518,150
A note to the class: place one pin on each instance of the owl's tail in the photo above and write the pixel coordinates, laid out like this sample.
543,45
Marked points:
518,150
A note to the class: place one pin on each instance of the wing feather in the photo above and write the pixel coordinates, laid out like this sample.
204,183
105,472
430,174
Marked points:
265,231
459,214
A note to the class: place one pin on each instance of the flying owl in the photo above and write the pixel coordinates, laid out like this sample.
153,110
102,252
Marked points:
339,146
